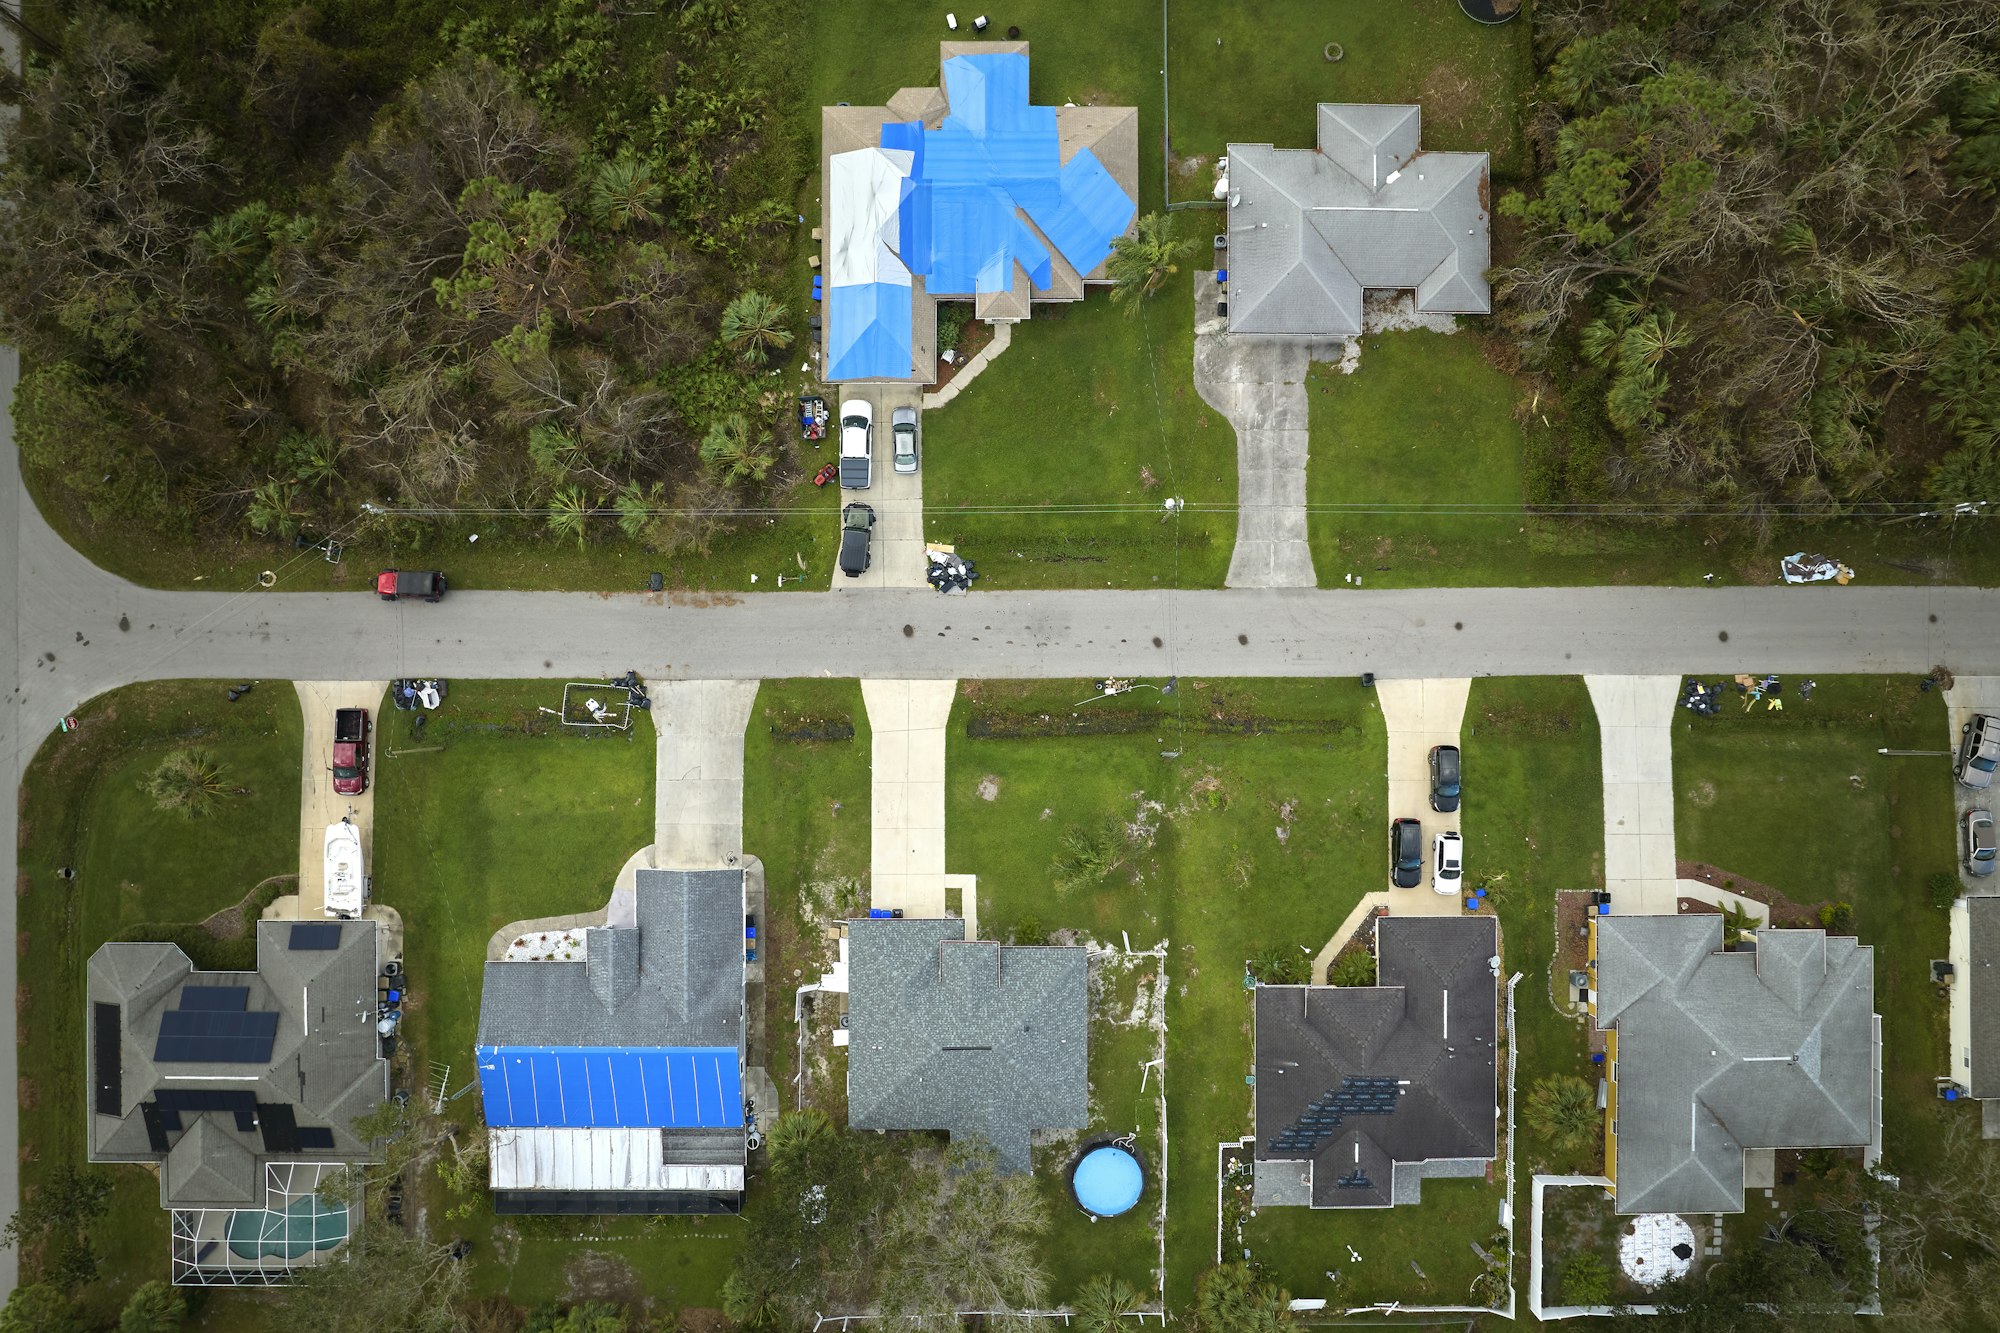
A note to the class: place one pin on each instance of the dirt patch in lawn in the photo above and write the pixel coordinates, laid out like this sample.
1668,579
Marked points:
597,1276
1784,911
1574,908
989,787
233,921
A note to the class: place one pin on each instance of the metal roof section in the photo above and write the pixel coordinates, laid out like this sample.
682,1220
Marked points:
1311,229
971,1037
1723,1052
580,1087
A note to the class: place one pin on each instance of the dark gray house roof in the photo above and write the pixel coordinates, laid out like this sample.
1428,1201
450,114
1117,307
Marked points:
964,1035
1719,1052
677,980
1983,995
1355,1080
1311,229
214,1074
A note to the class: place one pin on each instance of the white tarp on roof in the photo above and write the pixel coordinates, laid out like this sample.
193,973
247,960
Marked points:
866,187
596,1159
343,870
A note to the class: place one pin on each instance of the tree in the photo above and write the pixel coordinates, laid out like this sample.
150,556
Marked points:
1736,922
965,1237
155,1307
53,1224
40,1308
1586,1279
389,1280
1235,1298
590,1317
624,193
754,326
187,783
1141,262
1562,1110
569,514
1104,1303
736,455
276,510
1087,853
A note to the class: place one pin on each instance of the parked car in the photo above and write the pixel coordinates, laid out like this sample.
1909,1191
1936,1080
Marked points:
903,434
857,444
393,584
857,527
350,751
1978,752
1406,853
1444,778
1447,864
1980,855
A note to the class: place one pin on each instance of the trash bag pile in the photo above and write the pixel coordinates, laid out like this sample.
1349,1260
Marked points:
1701,697
630,681
1802,568
949,573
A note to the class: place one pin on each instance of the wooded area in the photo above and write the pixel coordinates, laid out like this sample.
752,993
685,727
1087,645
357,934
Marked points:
1759,255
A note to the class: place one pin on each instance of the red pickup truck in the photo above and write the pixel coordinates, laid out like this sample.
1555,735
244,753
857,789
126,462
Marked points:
392,584
350,751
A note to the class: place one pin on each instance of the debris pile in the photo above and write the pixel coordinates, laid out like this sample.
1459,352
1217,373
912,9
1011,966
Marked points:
948,572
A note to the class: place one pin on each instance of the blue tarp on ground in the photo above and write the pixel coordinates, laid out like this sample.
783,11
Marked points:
869,328
1093,209
587,1086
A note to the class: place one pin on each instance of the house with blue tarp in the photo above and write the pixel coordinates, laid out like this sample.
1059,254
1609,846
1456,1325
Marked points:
613,1080
967,192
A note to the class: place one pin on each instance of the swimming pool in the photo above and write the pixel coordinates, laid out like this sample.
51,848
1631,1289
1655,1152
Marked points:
1107,1180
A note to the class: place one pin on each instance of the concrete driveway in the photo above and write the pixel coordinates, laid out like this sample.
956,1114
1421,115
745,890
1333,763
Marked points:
1260,386
698,792
1635,716
1969,695
906,783
319,804
1418,714
896,497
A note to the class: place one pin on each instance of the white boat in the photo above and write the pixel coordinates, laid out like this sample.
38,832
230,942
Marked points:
345,883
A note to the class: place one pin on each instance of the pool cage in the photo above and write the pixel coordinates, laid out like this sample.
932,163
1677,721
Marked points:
263,1247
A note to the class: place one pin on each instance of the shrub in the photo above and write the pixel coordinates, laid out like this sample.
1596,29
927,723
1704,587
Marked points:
1355,969
1944,888
1837,918
1586,1279
1282,965
187,783
1088,852
1563,1110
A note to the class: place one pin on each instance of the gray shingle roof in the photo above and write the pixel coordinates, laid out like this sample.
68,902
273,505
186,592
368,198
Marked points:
676,979
324,1071
1428,1027
1719,1052
1983,996
1311,229
970,1037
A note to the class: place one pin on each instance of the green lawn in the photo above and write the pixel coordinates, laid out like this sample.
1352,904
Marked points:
1773,797
1217,883
1300,1246
83,807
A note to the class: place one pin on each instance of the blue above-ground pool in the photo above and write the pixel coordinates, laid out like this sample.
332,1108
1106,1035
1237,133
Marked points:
1106,1180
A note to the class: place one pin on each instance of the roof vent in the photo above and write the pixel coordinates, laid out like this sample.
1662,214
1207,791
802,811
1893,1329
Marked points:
1392,178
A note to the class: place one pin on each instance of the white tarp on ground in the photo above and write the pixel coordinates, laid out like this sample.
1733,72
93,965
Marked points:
595,1159
867,188
1650,1251
343,870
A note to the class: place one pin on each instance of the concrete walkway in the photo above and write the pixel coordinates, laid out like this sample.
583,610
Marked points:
1003,337
906,861
1969,695
319,804
1259,385
698,798
1635,716
897,552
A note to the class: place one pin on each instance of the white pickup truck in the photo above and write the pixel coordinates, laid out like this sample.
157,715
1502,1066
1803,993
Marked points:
857,444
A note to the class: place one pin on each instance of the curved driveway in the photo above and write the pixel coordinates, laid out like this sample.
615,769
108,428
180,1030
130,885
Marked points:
70,631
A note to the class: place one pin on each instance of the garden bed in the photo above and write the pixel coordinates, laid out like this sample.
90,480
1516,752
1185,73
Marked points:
1784,911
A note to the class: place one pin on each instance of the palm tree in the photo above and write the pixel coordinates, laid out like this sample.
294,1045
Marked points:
275,508
569,513
753,326
623,192
1104,1303
1142,262
730,449
1563,1111
187,783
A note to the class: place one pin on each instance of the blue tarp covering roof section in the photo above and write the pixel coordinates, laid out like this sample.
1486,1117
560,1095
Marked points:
589,1086
869,331
1093,210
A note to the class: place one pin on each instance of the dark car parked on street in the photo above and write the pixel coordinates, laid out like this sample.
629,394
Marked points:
1406,853
1444,778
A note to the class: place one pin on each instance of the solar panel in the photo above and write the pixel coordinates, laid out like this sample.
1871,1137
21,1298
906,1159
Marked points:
279,1125
315,1138
107,1082
315,935
233,998
216,1036
205,1099
156,1125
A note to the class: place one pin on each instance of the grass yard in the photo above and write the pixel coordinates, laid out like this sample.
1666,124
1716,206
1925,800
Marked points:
139,872
1801,801
1106,406
512,820
1300,1246
1261,834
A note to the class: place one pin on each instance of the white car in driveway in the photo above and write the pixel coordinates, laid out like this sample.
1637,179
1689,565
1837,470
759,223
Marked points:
1447,865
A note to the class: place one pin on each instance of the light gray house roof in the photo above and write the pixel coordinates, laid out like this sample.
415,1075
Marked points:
675,980
1311,229
1983,995
1720,1052
971,1037
212,1109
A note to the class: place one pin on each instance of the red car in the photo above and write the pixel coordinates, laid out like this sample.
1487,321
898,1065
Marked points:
350,751
428,584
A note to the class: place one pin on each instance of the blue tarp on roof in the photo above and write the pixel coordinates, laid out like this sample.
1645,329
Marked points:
869,331
588,1086
1093,210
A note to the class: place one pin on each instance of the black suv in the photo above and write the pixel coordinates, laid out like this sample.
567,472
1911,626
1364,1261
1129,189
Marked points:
857,526
1444,778
1406,853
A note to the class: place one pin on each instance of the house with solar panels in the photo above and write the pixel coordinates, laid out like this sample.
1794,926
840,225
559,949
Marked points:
1364,1092
613,1082
241,1089
967,192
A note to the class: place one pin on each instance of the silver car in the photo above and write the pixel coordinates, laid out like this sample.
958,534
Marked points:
1978,752
903,429
1980,855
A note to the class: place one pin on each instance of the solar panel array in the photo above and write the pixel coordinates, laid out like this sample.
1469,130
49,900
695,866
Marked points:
1322,1119
314,935
169,1103
107,1046
1357,1179
218,1036
231,999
